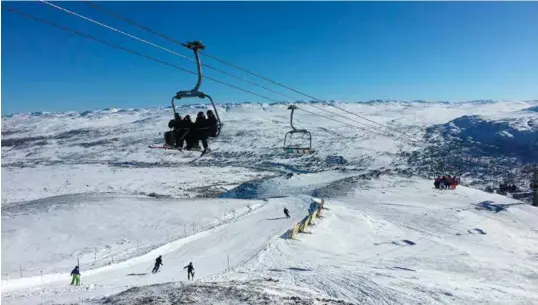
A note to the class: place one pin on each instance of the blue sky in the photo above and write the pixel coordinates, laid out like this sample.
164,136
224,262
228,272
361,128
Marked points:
342,50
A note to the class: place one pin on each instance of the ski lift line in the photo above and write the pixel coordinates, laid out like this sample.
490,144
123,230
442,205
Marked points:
95,6
355,121
234,66
72,31
372,121
114,29
345,123
361,128
181,55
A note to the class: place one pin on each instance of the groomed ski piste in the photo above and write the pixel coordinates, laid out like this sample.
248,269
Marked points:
386,237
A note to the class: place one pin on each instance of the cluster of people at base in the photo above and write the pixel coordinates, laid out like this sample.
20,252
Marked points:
446,182
185,131
507,188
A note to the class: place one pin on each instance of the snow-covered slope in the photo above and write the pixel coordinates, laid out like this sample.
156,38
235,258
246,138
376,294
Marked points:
397,241
387,240
102,229
86,185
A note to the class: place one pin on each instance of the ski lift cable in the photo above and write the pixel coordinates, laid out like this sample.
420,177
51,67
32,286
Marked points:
72,31
155,45
147,29
95,6
160,47
183,56
165,63
75,32
367,127
342,122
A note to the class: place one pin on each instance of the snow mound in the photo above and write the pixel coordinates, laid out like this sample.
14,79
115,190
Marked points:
532,109
494,138
254,293
289,185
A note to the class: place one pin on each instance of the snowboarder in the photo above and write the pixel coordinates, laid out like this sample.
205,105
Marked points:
190,271
158,263
76,276
286,212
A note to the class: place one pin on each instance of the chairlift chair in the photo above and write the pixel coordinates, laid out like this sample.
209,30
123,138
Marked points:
300,148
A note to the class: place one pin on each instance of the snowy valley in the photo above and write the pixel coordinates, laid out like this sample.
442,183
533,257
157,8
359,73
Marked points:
86,186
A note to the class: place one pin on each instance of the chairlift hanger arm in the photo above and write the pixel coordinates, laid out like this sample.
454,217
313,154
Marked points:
195,46
292,108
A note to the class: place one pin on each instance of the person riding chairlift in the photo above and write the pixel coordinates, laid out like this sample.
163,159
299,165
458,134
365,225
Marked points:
212,123
201,130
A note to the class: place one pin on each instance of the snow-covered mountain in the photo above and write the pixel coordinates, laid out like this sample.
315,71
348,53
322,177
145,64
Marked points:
482,140
86,185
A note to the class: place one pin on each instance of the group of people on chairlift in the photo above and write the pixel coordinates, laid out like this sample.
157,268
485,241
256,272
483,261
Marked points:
185,131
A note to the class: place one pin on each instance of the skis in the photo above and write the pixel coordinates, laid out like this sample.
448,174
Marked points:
203,154
166,147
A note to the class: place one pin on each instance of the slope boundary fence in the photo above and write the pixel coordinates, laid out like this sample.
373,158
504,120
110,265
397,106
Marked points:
314,212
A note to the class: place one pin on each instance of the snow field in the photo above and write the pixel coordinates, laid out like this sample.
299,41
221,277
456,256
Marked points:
391,240
48,235
396,241
209,250
30,183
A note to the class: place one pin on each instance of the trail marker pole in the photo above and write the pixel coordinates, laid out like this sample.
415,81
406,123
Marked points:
20,269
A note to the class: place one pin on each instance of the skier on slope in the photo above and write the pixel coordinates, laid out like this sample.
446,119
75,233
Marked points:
76,276
286,212
190,271
158,263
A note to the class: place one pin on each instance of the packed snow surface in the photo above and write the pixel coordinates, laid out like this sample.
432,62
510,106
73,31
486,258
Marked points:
86,186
